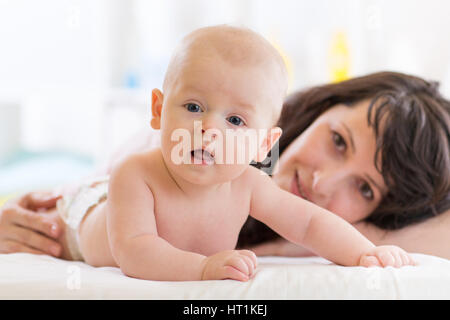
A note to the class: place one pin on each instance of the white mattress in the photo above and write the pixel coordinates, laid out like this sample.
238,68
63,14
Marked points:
26,276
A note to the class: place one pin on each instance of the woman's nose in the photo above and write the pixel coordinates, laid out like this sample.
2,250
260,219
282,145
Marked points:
326,180
316,182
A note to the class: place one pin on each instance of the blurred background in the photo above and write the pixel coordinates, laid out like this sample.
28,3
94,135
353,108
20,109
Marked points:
76,75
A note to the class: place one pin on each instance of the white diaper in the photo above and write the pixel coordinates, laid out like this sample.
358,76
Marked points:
73,208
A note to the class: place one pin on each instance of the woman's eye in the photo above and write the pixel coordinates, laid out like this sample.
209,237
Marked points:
339,141
234,120
192,107
366,191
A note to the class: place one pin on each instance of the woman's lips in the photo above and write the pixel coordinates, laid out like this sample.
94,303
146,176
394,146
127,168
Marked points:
297,189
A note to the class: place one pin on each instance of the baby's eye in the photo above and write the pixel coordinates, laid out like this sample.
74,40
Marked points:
234,120
192,107
338,141
366,191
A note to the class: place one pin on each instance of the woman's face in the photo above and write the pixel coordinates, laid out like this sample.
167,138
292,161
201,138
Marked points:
332,163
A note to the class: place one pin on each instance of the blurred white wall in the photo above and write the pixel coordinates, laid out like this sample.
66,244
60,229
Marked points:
50,44
54,62
81,71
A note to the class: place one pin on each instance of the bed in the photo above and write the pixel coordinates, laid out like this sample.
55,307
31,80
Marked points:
26,276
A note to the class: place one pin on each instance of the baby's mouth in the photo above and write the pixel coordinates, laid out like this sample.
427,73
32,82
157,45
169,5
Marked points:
201,156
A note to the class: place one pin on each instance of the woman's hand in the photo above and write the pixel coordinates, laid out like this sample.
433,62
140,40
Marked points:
24,227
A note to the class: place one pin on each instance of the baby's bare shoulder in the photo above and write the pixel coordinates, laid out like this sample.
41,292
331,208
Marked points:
253,177
140,163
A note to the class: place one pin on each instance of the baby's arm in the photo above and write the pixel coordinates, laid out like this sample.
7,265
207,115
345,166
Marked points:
317,229
141,253
133,236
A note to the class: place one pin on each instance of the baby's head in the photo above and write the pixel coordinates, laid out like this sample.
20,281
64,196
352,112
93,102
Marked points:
226,80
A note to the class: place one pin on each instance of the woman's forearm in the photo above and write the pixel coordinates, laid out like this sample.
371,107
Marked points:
429,237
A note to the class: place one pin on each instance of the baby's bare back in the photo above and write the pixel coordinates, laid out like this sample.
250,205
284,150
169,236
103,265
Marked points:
204,224
93,234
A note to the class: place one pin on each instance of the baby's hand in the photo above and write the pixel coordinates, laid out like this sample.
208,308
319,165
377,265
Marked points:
230,264
384,256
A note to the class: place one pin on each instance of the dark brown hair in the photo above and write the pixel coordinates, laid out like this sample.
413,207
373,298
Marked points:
413,143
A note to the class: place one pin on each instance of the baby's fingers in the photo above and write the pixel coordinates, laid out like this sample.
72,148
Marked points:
239,263
369,261
251,255
250,265
395,257
407,259
386,259
398,259
230,272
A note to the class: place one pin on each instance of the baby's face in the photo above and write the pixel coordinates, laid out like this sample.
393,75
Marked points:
221,107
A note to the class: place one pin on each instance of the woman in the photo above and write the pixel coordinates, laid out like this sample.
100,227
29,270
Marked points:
373,149
400,124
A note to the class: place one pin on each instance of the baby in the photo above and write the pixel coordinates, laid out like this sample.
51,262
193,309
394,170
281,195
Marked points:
175,212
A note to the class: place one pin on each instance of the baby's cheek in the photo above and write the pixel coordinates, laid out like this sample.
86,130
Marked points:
236,152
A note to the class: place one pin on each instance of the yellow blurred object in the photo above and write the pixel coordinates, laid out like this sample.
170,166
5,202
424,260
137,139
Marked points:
339,58
3,199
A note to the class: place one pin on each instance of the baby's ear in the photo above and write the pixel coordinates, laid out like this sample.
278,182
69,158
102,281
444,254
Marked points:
267,144
157,103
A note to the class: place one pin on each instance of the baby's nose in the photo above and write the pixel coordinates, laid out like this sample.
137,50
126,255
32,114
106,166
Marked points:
213,133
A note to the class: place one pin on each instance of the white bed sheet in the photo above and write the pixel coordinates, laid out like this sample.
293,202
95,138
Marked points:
26,276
